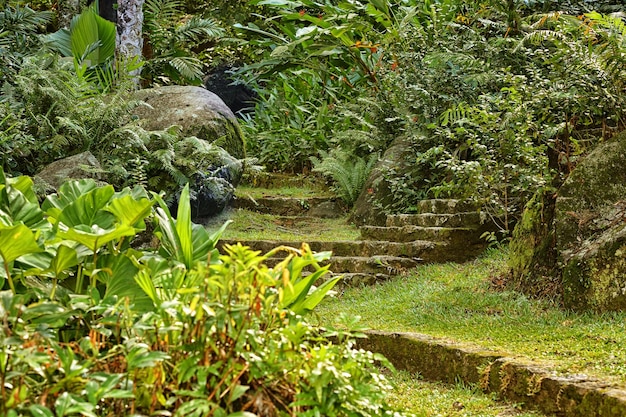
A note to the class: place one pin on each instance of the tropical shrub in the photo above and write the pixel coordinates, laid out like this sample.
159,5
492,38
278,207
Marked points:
497,100
491,116
175,329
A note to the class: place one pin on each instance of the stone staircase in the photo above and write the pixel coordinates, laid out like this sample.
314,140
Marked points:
441,231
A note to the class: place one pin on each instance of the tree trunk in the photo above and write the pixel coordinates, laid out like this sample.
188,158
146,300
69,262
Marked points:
129,31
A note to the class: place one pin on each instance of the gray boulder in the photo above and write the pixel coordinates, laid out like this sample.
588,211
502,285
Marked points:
75,167
196,110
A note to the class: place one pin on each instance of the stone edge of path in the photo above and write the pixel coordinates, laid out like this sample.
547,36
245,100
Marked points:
514,379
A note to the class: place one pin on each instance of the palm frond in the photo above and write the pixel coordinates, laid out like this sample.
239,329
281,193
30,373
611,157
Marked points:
161,11
197,29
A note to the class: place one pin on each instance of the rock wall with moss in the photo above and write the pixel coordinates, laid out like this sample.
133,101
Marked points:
576,246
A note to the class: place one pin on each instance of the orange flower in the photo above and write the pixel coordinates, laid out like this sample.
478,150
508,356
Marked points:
302,12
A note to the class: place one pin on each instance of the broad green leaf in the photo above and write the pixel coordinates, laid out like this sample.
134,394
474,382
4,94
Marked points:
18,202
64,259
316,297
83,34
130,211
51,314
121,283
204,243
40,411
141,357
107,32
17,241
144,280
88,209
297,291
60,41
94,237
92,38
69,192
166,232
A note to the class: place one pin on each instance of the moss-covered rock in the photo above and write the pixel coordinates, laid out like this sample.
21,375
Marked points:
532,250
576,243
197,111
590,230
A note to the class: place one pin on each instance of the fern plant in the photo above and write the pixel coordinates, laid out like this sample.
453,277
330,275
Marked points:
171,36
348,172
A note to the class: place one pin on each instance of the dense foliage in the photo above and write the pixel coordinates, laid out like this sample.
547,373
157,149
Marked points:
497,99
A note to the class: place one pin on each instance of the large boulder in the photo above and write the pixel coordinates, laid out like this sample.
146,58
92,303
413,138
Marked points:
75,167
212,189
590,224
196,110
580,239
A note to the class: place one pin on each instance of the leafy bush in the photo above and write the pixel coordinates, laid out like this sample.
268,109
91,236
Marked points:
20,27
177,329
495,117
170,41
497,101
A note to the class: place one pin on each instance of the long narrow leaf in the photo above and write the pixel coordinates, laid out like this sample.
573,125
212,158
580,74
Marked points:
184,227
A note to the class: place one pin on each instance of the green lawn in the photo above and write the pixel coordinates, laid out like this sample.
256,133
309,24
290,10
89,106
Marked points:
460,302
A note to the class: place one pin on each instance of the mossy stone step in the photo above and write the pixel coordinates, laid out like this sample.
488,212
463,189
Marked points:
422,251
325,207
465,219
529,384
452,235
446,206
418,249
371,265
356,279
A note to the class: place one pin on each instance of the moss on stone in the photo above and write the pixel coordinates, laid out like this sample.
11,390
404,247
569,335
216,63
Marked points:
532,256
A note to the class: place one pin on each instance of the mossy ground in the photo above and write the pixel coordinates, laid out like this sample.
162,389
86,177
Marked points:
422,398
248,225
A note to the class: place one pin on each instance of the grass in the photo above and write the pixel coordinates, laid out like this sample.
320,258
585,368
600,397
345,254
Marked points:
421,398
283,191
249,225
459,302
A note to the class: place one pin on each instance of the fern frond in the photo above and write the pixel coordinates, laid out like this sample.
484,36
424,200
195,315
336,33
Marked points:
161,11
442,59
348,172
540,36
188,67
